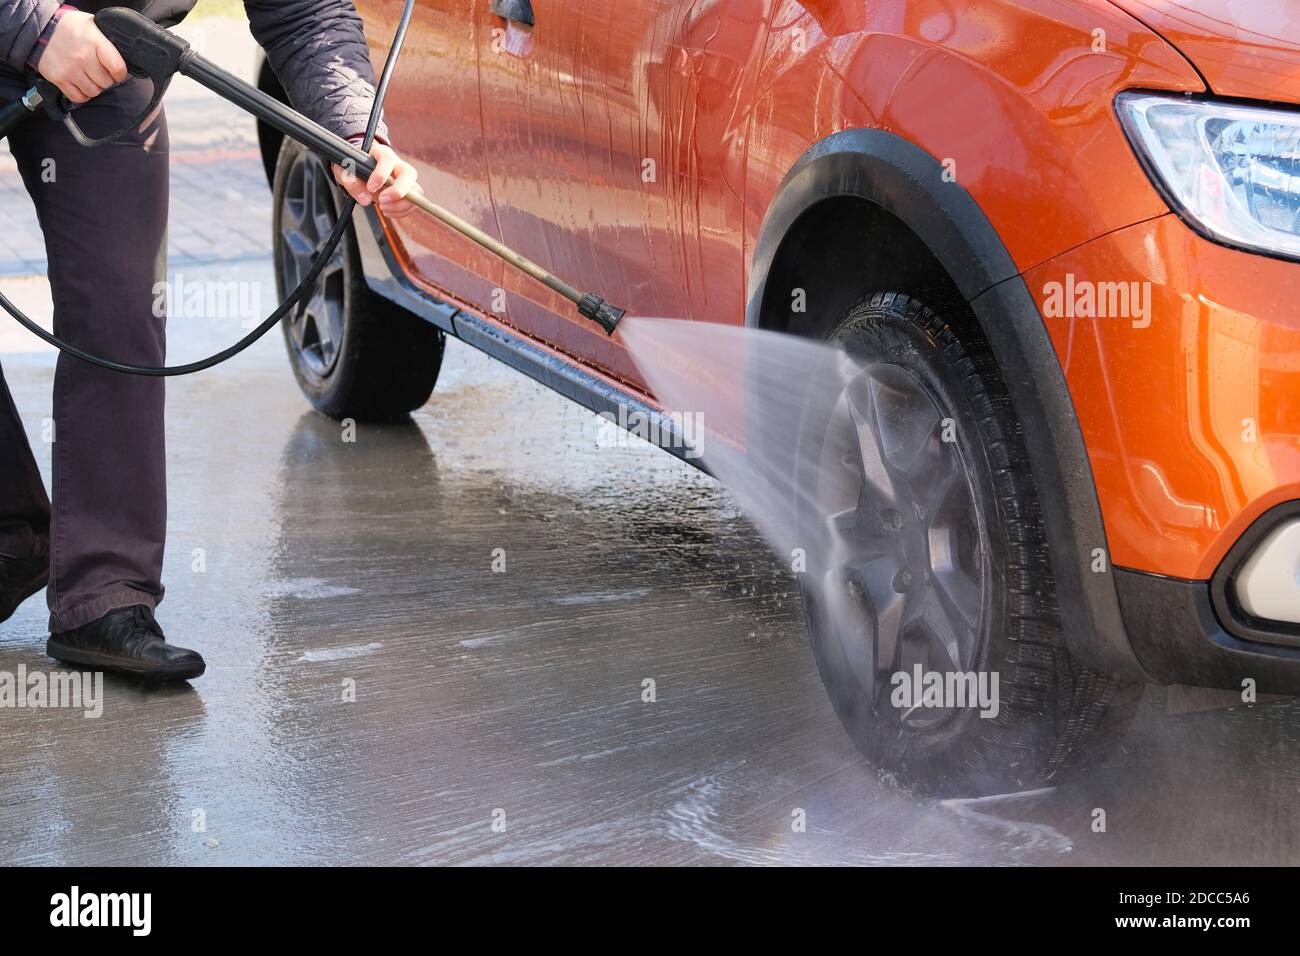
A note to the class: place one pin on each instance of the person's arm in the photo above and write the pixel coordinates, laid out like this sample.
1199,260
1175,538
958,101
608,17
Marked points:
317,49
21,24
62,44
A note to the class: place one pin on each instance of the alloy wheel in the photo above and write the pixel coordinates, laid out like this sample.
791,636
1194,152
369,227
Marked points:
906,575
308,214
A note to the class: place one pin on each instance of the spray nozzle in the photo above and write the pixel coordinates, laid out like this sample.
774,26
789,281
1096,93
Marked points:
601,312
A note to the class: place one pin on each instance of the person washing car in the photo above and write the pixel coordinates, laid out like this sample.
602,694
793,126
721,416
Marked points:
97,539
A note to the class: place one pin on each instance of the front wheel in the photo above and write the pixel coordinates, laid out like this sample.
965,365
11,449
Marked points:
932,610
355,354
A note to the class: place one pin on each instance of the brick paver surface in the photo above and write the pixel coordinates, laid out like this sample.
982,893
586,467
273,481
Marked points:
220,202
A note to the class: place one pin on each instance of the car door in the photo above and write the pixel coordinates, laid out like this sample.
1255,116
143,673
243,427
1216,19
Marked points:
615,136
433,116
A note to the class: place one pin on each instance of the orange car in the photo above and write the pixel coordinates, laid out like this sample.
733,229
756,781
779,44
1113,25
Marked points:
1071,226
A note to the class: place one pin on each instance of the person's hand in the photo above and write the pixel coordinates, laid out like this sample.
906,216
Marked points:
80,60
392,200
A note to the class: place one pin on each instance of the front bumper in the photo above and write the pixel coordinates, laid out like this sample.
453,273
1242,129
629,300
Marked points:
1203,632
1179,638
1189,404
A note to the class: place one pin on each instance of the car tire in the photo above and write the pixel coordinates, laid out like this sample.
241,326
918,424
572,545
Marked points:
947,491
354,354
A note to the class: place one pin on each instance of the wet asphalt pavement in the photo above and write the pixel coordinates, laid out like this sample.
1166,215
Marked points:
308,568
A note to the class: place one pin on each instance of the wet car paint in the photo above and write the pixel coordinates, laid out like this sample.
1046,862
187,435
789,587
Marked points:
1242,47
433,114
1017,95
617,145
1193,418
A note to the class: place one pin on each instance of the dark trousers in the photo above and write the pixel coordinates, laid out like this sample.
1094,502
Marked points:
103,213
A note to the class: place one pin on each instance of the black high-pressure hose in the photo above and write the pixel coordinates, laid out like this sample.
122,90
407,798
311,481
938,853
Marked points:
303,287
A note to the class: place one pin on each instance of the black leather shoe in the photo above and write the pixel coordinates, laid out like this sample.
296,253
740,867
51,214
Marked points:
20,578
126,641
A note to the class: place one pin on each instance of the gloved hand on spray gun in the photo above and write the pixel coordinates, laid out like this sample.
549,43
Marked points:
77,58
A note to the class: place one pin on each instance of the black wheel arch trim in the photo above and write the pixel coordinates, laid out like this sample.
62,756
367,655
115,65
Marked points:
903,179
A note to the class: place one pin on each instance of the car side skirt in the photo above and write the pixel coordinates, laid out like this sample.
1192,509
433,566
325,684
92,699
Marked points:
385,277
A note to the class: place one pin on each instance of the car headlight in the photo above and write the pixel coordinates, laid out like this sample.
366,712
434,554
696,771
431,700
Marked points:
1231,171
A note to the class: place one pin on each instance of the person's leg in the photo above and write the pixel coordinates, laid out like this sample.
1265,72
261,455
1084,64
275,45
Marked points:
104,215
24,505
24,513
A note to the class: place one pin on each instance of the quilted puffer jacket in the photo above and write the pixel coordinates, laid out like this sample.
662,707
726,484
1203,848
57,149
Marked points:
316,47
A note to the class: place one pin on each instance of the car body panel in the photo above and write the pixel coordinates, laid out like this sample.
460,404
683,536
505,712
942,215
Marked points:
1246,48
616,139
1191,414
722,97
1016,96
432,112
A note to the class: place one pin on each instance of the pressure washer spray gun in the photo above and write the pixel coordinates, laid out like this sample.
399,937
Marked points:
157,54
